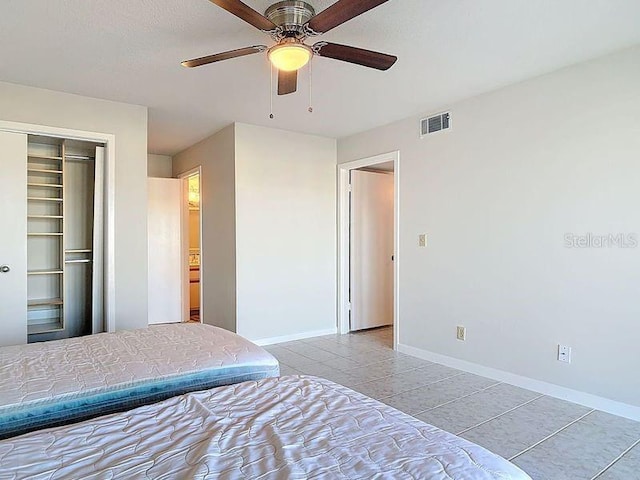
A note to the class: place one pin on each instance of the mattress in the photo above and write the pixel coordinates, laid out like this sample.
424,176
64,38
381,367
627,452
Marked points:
279,428
53,383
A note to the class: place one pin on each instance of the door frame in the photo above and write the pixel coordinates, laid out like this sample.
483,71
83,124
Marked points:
109,140
185,243
344,240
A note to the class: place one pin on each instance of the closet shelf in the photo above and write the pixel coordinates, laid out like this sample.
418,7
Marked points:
45,272
41,302
44,327
44,199
45,157
58,217
47,185
44,234
44,170
81,250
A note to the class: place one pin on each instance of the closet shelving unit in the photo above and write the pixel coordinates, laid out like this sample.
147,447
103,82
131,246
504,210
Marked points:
64,238
45,237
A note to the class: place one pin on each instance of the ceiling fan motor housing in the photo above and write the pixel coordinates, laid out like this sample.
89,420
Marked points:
290,16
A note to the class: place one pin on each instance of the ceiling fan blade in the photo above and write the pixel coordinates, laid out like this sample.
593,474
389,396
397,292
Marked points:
359,56
287,82
241,52
246,13
340,12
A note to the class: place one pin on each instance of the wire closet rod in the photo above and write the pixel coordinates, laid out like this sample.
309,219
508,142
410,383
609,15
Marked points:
78,157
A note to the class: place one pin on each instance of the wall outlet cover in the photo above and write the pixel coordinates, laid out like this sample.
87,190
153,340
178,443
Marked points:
564,353
461,333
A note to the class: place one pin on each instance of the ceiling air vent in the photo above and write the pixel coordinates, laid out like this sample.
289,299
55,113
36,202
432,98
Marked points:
434,124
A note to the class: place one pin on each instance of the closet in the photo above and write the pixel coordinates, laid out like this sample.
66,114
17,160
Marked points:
61,205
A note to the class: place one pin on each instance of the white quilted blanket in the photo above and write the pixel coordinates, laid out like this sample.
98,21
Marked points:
49,371
286,428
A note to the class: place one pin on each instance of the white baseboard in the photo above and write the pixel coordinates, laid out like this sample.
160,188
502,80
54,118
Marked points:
588,400
295,336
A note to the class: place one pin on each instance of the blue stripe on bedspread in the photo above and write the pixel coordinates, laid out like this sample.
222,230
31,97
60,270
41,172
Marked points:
63,411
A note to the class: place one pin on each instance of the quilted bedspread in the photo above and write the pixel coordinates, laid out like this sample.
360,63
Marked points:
278,428
44,384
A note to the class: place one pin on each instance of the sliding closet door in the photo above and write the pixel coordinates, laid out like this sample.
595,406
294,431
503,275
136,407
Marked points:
97,296
13,240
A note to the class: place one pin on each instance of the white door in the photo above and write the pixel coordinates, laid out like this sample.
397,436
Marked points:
13,239
371,251
165,250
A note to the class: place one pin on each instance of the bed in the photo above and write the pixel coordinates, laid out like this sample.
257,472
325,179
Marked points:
54,383
290,427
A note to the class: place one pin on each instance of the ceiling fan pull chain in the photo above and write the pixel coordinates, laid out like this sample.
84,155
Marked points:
271,91
311,86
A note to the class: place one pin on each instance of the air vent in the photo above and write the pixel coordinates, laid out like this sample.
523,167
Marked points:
434,124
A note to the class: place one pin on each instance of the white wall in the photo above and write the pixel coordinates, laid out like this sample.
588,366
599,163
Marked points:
286,232
217,204
129,125
160,166
522,167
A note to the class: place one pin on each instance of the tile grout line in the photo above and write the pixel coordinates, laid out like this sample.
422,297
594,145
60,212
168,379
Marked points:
343,356
415,388
394,374
359,365
336,355
459,398
601,472
384,361
551,435
346,371
501,414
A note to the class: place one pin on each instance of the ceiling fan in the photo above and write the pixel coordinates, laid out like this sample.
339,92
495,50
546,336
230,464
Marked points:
290,23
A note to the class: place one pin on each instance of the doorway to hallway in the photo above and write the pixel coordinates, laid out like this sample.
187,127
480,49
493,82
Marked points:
368,253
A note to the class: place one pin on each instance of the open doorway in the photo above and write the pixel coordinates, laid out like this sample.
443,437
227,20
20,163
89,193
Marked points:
191,245
368,245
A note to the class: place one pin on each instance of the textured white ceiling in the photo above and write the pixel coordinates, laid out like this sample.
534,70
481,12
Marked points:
130,51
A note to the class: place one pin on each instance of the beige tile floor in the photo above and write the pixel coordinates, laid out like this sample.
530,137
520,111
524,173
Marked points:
548,438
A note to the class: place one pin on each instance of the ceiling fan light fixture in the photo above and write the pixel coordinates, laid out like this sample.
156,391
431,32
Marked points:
289,23
289,57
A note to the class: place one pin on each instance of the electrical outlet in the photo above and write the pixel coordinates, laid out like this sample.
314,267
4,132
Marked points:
422,240
461,333
564,353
